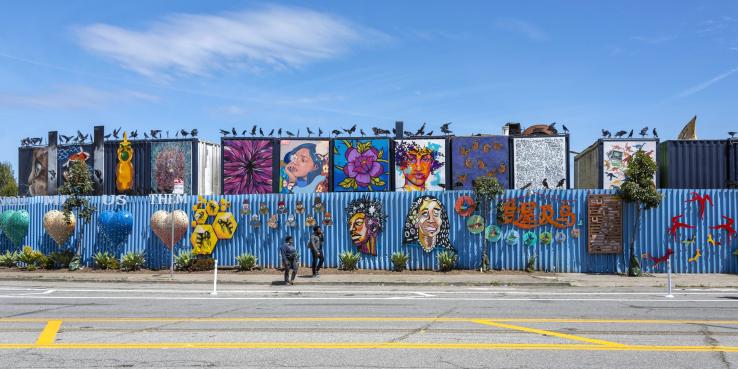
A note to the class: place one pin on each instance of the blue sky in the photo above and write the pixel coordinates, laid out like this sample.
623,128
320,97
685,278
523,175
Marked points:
69,65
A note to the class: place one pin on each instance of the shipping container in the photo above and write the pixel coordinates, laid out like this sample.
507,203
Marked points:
603,164
540,161
208,168
733,163
695,164
141,162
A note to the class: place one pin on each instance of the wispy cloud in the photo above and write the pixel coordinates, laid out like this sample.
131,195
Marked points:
270,37
699,87
72,97
525,28
653,40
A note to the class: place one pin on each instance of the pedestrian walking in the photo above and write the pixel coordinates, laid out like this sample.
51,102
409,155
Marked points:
289,259
316,249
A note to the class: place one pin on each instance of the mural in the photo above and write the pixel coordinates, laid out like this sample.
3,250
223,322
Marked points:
206,232
124,173
539,162
67,154
361,165
247,166
303,167
170,161
479,156
33,172
530,214
426,224
366,220
617,155
420,165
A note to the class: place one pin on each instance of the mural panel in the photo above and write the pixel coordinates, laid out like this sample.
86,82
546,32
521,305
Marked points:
617,155
539,161
361,165
426,224
66,154
479,156
247,166
366,220
420,165
303,166
170,161
33,172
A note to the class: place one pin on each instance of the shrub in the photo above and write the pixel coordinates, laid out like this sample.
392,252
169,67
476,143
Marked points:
183,260
399,260
203,263
447,260
9,259
60,259
246,261
531,264
132,261
349,260
32,259
105,260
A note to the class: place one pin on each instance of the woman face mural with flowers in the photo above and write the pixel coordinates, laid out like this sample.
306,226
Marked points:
361,165
366,221
420,165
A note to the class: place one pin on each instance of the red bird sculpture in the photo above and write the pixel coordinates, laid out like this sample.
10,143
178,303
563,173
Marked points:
728,226
701,200
676,224
661,259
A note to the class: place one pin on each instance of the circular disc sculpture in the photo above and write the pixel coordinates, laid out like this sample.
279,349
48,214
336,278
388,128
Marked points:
493,233
57,227
161,224
465,205
115,226
475,224
14,224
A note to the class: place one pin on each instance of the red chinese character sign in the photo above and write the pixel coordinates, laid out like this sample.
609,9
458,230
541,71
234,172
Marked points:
531,214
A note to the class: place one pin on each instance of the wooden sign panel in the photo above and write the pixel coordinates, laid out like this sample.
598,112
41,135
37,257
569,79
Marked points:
605,226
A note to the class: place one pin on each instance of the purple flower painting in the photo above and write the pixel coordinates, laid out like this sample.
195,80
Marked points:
247,166
361,165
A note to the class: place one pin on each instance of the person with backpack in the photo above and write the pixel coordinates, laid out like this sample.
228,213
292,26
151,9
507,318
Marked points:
316,249
289,259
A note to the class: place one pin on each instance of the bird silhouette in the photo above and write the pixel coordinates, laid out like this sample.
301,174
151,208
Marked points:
545,183
289,133
620,134
65,138
561,183
430,133
155,133
552,127
421,130
444,128
630,134
361,131
224,132
320,131
194,132
527,186
407,133
116,132
298,133
107,136
234,132
732,134
271,133
606,133
336,132
261,132
183,133
610,175
644,132
146,135
351,130
379,131
655,134
253,130
279,132
566,130
309,131
134,134
244,132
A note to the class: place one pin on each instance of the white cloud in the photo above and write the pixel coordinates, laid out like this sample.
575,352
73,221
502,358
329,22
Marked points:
270,37
653,40
699,87
522,27
72,97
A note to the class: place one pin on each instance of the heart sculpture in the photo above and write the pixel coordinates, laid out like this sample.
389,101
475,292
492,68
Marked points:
161,224
14,224
56,226
115,226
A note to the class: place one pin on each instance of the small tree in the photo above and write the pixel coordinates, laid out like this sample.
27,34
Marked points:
8,187
77,184
486,189
639,188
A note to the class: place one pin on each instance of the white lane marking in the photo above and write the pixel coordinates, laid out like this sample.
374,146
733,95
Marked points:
424,294
44,292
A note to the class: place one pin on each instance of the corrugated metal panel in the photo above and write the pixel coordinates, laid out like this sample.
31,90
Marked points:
693,164
208,168
569,256
587,167
141,167
733,164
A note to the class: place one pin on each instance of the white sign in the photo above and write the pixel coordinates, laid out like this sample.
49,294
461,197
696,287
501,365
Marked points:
178,187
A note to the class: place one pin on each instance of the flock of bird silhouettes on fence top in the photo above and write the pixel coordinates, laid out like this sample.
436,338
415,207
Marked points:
621,134
376,131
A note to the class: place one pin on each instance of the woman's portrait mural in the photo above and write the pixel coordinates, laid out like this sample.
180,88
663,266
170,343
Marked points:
479,157
536,159
66,154
33,171
426,224
420,165
361,165
247,166
303,167
170,161
366,220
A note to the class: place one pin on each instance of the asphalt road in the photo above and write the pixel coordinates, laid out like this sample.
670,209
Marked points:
58,325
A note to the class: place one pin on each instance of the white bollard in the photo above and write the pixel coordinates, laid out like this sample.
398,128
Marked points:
668,273
215,279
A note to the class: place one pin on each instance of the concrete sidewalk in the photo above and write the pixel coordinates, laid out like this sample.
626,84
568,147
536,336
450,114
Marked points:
334,277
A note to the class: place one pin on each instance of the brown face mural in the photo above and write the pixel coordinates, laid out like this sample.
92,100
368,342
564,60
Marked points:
38,177
366,220
426,224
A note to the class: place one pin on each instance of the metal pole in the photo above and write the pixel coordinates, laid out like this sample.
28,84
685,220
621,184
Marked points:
171,240
668,271
215,279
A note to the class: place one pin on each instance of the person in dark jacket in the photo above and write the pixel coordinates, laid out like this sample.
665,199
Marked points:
289,259
316,249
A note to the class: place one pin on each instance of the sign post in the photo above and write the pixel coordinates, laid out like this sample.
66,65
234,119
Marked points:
668,271
177,189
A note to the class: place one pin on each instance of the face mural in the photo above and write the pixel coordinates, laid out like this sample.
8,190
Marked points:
247,166
33,172
536,159
426,224
420,165
67,154
303,167
361,165
170,161
366,220
479,157
616,159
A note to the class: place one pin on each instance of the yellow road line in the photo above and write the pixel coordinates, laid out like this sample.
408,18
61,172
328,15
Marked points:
48,335
548,333
388,345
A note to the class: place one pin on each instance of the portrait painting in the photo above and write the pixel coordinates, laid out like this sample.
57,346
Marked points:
304,166
420,165
426,224
366,218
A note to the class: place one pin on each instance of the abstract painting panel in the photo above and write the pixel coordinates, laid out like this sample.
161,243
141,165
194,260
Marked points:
617,155
66,154
361,165
247,166
170,161
479,157
538,161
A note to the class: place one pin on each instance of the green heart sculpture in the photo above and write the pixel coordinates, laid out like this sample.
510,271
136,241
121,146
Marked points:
14,224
